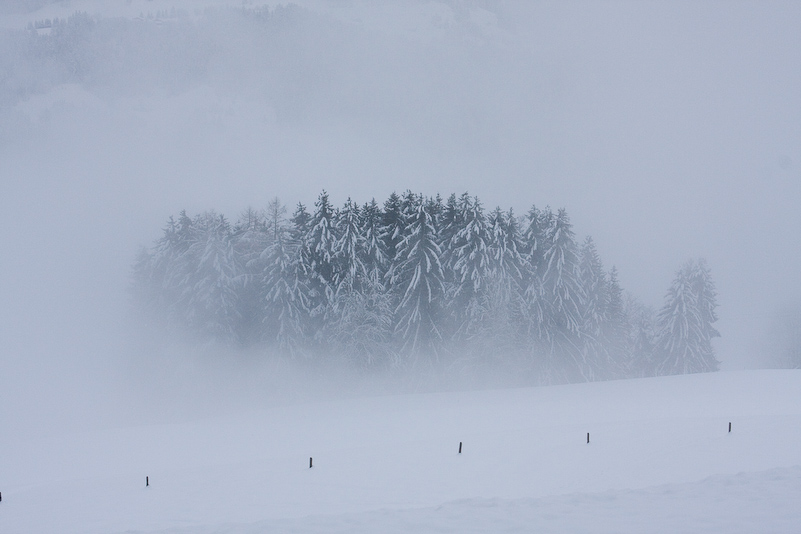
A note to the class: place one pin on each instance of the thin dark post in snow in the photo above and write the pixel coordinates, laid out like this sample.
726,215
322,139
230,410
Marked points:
460,447
1,496
588,437
310,462
147,481
729,427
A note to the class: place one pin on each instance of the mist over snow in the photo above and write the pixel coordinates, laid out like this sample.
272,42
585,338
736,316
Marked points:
668,130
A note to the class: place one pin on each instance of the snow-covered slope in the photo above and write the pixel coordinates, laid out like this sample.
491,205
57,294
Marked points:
660,459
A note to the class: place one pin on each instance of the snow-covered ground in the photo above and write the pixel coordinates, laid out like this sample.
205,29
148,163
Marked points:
660,459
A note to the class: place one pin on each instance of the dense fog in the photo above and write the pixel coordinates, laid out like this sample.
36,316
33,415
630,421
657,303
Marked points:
668,130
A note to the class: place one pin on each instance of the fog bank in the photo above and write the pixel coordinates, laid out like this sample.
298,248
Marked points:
668,130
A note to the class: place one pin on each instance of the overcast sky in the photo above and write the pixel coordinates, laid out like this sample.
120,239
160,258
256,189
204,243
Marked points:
668,130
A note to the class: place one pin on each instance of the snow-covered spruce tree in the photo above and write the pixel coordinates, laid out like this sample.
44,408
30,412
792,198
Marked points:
470,261
563,297
450,222
593,282
173,267
348,250
300,221
616,327
361,326
392,227
250,239
497,335
410,202
152,295
599,363
536,309
286,294
213,285
374,253
163,279
318,244
506,247
685,323
641,340
360,318
436,208
417,279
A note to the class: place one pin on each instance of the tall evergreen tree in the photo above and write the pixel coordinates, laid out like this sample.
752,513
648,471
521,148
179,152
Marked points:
615,330
213,296
361,328
392,227
300,220
501,296
536,305
685,323
250,238
564,297
348,250
597,360
287,295
471,264
375,257
321,238
642,340
450,222
418,280
318,246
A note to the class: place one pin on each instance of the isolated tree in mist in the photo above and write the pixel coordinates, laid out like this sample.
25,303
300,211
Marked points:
685,323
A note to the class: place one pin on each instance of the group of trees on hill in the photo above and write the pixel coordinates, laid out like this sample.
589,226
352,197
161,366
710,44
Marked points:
420,281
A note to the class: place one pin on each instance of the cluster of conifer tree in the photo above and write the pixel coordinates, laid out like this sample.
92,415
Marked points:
420,281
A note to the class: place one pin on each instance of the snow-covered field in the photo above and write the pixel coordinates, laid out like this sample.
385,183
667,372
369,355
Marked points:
660,459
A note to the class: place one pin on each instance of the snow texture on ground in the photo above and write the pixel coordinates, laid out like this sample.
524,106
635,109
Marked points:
660,459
